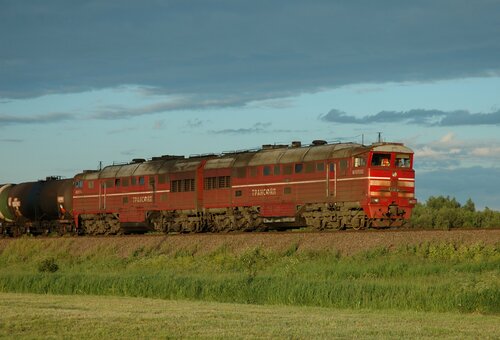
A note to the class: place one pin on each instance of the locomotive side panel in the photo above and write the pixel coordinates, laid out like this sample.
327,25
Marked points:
183,190
217,188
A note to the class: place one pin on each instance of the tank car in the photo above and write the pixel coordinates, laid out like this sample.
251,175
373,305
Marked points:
24,203
6,216
37,207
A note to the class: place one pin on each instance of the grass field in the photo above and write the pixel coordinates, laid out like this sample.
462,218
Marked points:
96,317
437,277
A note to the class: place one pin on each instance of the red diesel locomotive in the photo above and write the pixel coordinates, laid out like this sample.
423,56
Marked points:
323,186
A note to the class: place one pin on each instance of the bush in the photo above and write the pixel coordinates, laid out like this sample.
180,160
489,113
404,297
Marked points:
48,266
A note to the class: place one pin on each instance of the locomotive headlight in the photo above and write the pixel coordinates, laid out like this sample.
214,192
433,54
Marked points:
412,201
374,200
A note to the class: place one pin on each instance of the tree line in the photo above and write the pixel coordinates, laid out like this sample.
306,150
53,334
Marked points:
444,213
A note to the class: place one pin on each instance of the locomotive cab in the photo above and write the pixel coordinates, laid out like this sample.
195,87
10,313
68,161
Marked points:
391,185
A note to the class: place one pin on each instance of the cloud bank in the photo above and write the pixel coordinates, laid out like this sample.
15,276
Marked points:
35,119
417,117
240,50
449,152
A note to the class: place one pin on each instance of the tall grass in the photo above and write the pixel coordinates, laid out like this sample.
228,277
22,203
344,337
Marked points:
427,277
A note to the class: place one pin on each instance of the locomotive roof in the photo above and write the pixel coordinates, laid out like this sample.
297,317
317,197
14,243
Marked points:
276,155
144,168
284,155
391,147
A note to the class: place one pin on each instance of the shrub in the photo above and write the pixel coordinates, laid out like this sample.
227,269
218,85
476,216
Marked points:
48,266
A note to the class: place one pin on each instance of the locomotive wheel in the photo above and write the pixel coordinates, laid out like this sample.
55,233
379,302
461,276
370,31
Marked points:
156,221
358,223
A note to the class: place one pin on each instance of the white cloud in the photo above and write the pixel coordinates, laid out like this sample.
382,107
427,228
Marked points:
448,152
448,138
428,152
488,151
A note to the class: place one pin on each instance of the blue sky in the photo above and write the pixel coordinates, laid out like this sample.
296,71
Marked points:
83,82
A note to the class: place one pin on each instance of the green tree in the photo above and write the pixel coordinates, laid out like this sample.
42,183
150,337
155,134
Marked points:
442,202
444,213
421,217
490,218
469,205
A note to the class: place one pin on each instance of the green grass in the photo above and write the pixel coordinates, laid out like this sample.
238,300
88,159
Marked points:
92,317
438,277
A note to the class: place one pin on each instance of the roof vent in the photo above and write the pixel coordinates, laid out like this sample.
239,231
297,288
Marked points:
138,160
53,178
203,155
166,157
273,146
296,144
318,142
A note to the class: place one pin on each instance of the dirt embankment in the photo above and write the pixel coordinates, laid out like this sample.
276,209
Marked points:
347,242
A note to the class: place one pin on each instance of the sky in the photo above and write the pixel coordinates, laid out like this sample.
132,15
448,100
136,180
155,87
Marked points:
83,82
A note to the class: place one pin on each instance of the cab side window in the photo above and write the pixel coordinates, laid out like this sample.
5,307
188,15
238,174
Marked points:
359,162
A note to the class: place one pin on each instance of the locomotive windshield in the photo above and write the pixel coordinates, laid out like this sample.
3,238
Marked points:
381,159
402,161
385,159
